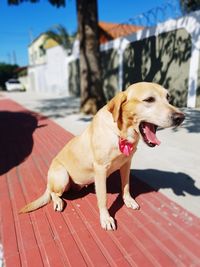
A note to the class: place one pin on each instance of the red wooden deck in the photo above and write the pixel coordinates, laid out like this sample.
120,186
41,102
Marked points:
161,233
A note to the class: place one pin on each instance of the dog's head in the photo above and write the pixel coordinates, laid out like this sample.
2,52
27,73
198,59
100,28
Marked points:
142,108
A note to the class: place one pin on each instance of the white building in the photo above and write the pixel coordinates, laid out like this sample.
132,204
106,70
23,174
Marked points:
47,69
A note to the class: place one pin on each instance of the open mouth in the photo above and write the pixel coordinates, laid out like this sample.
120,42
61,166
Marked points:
148,132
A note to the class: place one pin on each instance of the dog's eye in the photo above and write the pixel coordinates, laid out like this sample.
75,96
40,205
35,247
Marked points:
150,99
169,98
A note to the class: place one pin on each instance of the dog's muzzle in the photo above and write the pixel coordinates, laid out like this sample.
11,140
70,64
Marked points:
177,118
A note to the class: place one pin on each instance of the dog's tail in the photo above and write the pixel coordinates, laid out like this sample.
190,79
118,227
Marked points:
38,203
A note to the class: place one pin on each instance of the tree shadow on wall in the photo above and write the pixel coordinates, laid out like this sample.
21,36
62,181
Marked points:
109,67
109,63
16,138
74,78
198,95
163,59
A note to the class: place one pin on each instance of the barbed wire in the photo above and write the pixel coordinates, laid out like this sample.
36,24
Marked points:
159,14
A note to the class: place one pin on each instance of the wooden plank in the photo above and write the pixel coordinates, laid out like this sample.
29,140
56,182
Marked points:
27,242
160,234
8,230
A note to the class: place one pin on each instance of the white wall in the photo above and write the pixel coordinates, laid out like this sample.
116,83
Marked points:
56,70
37,81
52,75
24,81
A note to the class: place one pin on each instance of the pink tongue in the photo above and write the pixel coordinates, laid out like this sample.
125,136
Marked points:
150,133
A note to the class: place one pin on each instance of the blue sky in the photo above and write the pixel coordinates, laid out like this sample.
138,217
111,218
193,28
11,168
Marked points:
18,24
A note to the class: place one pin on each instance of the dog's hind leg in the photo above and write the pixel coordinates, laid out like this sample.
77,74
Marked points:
58,183
58,203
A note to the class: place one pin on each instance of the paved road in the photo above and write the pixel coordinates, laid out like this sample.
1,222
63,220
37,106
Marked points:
172,168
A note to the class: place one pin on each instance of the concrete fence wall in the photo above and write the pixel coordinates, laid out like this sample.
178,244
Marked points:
168,54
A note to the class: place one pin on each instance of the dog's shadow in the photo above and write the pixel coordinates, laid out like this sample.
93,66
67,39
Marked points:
179,183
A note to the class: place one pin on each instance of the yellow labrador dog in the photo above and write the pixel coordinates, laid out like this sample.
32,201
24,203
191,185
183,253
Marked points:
108,144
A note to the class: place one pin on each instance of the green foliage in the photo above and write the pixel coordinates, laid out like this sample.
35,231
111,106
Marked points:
60,35
57,3
189,5
23,72
7,71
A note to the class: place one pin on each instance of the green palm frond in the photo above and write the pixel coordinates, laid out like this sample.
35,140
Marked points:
60,35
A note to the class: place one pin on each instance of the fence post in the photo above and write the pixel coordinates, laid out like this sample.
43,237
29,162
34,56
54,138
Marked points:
120,70
193,27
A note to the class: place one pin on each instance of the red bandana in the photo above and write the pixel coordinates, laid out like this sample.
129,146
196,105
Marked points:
125,146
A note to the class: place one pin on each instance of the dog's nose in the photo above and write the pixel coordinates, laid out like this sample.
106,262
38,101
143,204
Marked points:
177,118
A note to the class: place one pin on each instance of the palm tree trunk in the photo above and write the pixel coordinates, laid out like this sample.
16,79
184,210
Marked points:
92,95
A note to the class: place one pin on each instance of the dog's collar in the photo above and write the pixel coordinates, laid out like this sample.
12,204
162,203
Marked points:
125,146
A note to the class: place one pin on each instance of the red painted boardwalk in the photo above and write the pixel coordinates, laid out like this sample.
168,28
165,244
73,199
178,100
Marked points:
160,234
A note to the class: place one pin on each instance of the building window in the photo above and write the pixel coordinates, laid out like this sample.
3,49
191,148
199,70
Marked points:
42,50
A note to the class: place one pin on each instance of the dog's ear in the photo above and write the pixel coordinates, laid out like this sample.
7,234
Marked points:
114,105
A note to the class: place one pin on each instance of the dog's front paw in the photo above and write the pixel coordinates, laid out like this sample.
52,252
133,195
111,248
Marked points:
107,222
131,203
